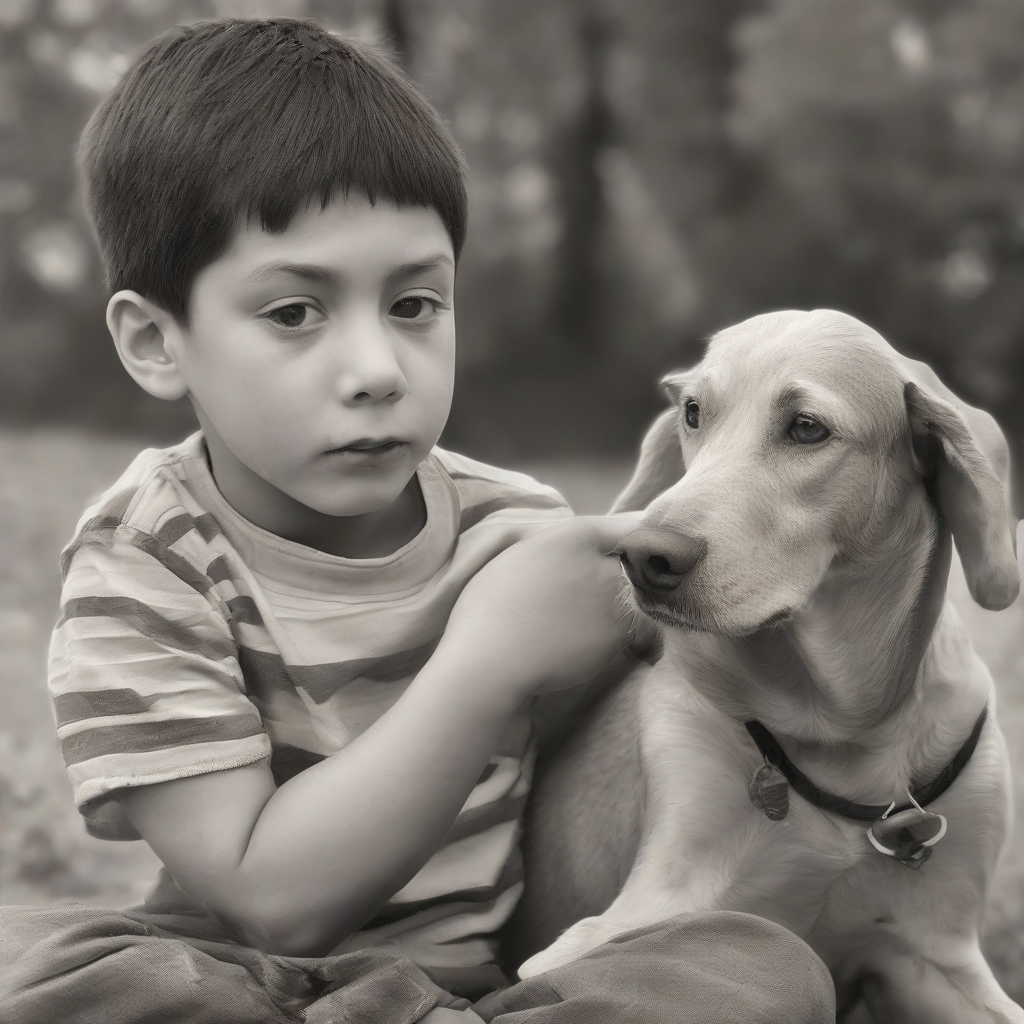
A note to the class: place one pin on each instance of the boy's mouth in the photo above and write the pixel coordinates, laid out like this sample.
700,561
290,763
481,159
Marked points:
370,444
370,450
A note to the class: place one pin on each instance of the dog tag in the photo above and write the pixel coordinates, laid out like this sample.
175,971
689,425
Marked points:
908,836
769,792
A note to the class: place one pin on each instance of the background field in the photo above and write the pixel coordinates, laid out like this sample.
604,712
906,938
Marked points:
641,174
47,477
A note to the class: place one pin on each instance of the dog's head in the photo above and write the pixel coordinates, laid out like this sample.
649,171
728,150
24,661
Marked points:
789,451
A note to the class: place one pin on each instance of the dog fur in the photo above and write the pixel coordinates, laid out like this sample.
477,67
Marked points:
811,597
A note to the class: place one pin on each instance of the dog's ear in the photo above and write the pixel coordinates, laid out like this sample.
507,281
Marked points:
964,457
660,464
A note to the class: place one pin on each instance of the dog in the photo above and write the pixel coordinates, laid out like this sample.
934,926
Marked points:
817,744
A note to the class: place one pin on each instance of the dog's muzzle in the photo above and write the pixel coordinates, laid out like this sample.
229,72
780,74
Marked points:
657,561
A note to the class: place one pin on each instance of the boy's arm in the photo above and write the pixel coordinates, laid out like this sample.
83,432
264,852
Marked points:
296,869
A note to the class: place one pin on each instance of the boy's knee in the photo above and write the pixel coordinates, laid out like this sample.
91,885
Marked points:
90,965
699,967
765,965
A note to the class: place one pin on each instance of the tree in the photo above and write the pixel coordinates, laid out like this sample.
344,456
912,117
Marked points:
893,130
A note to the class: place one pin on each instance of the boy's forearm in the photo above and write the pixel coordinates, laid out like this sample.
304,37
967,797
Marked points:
335,842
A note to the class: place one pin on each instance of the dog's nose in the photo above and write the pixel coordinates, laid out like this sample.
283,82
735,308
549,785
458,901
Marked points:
659,559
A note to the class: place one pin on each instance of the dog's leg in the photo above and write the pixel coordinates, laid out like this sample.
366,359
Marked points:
582,937
668,879
630,910
912,990
686,807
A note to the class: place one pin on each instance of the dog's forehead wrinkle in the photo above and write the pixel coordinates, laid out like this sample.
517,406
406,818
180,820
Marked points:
824,345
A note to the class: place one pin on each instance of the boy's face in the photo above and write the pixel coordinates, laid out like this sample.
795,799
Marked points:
321,359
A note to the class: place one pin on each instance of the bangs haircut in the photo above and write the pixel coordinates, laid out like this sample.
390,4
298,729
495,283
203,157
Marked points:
236,122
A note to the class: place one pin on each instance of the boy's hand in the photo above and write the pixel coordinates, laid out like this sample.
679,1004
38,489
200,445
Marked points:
549,612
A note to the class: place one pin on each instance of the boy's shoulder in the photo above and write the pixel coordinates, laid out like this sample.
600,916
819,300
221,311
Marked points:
469,474
152,498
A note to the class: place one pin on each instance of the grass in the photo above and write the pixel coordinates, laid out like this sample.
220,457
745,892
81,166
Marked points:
46,480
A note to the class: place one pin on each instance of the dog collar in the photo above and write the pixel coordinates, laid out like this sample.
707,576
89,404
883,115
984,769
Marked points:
775,803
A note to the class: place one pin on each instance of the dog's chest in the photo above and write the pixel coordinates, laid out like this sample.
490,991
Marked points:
704,832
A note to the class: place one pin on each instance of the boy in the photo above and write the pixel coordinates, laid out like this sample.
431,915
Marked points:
296,652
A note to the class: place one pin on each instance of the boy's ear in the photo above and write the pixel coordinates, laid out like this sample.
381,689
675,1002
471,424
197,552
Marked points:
147,339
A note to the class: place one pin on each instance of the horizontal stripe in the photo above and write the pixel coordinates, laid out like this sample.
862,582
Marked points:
94,780
479,819
472,863
147,621
207,526
101,530
92,531
148,736
200,700
175,563
454,929
218,570
463,946
264,672
384,669
108,519
475,513
88,699
511,772
384,932
176,527
438,956
243,609
78,706
511,875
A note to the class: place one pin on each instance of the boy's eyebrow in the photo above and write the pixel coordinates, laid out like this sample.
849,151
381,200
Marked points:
308,271
325,275
420,267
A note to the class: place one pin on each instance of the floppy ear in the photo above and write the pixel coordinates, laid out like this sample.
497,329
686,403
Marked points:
660,464
965,460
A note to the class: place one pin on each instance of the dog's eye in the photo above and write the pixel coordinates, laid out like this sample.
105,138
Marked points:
692,415
806,430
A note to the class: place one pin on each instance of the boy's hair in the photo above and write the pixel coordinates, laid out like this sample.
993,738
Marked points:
247,121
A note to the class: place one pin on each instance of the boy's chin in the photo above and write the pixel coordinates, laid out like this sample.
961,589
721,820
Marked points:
359,497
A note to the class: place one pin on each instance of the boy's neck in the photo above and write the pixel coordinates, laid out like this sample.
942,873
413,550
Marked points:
370,535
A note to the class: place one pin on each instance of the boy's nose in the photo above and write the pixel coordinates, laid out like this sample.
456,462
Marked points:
369,370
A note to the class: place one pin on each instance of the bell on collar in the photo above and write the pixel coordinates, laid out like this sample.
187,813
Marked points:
769,791
909,835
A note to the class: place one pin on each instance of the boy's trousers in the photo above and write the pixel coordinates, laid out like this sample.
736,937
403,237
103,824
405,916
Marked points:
88,965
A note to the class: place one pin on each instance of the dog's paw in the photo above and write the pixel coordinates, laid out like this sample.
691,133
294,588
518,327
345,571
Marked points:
581,938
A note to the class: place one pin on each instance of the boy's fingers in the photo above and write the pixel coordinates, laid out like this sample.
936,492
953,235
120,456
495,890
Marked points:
608,531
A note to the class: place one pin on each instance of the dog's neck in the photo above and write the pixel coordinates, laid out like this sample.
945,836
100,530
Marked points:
845,685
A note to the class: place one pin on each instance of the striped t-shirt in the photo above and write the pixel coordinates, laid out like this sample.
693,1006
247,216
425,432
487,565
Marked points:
192,641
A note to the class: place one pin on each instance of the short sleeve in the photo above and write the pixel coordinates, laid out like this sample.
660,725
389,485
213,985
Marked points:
145,682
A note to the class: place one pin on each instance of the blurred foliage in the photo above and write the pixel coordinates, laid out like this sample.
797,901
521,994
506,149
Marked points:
642,173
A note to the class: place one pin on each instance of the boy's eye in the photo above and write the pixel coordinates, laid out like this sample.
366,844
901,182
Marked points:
295,314
413,307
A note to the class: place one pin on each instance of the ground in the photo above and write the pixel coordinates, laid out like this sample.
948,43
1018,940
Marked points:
46,480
